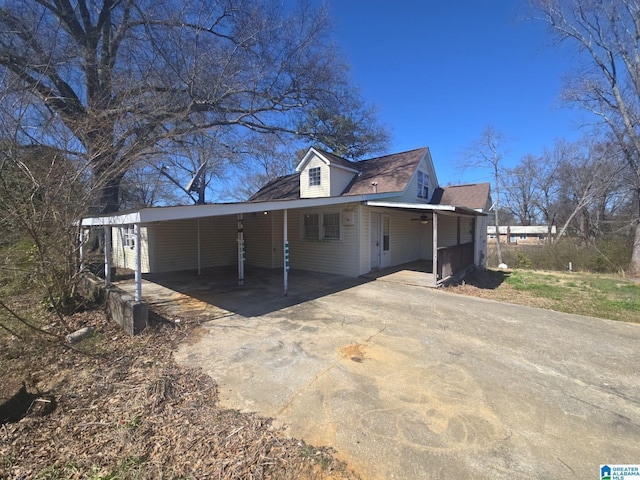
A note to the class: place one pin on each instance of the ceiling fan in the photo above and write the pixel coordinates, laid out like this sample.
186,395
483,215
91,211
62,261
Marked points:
424,219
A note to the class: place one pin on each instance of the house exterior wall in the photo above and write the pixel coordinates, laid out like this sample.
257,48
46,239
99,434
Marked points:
447,231
406,237
480,258
124,256
404,241
176,243
364,227
339,180
322,190
520,239
258,240
410,195
331,256
467,229
426,242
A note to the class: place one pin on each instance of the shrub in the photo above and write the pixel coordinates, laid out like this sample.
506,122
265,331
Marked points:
607,255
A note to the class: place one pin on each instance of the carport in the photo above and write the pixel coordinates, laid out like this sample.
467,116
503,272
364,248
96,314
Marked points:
170,239
136,220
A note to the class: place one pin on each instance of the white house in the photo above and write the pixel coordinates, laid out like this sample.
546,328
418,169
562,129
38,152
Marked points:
332,215
522,234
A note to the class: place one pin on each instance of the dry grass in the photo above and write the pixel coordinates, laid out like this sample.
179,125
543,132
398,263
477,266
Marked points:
126,410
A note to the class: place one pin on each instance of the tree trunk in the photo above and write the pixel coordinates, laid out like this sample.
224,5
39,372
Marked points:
498,248
634,267
107,198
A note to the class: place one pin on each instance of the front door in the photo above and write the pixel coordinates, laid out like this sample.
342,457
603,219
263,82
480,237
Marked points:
380,241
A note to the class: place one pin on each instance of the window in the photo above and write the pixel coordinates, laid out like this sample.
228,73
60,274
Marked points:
129,236
385,233
314,176
321,226
423,184
331,226
311,227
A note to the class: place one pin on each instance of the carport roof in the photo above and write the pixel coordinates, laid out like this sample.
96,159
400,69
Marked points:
183,212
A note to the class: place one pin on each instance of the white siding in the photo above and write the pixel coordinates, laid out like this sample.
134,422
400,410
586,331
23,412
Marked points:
176,244
466,229
410,194
258,241
322,190
407,237
339,257
363,219
404,237
480,255
123,256
277,237
340,178
447,231
426,242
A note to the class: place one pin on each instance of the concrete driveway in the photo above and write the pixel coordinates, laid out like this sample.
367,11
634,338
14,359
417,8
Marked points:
408,382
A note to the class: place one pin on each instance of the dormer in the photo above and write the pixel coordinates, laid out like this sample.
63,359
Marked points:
424,182
323,174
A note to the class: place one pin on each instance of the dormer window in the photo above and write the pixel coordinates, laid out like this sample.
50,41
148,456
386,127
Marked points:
314,176
423,184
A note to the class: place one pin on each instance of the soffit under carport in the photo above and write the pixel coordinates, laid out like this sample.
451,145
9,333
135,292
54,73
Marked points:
425,207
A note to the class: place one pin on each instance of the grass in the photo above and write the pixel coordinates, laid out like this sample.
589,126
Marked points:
598,295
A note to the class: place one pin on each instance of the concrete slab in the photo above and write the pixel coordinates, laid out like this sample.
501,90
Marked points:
408,382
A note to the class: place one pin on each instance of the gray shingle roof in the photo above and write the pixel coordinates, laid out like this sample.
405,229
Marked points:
392,174
474,196
279,189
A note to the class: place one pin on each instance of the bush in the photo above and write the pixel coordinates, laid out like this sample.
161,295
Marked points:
608,255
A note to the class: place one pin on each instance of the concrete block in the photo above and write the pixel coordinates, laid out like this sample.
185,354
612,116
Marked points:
132,316
121,307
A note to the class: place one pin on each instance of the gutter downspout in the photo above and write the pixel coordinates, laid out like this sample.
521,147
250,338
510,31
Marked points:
286,256
240,249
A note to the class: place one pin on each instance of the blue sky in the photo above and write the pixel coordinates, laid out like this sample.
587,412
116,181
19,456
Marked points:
441,71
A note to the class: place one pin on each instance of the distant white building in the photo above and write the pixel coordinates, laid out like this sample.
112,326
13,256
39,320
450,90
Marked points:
521,235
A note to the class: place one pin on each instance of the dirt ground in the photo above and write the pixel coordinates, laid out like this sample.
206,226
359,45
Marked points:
113,406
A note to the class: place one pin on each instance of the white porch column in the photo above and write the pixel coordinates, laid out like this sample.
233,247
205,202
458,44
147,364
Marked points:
286,256
107,255
435,248
138,260
240,249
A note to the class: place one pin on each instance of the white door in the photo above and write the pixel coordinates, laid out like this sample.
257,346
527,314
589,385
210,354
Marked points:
380,241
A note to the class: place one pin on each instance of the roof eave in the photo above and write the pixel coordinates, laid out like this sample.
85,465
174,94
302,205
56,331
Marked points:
428,207
187,212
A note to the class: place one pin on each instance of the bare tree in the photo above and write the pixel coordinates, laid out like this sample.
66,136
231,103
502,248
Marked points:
587,174
487,152
131,79
521,189
41,195
607,33
547,184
